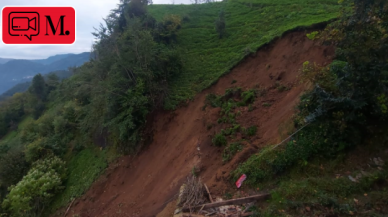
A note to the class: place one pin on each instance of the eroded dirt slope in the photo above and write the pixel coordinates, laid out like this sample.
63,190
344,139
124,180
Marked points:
143,185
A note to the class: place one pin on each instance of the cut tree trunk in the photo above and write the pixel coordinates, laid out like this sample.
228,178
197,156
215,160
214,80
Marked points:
230,202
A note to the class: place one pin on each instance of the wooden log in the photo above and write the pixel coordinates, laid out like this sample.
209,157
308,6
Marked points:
195,215
210,196
191,215
69,207
230,202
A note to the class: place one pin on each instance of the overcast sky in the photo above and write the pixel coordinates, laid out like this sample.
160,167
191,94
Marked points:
89,15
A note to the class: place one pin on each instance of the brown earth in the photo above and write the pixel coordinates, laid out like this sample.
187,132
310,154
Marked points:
143,185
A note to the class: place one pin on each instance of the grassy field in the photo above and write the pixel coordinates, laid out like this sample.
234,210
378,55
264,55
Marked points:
249,25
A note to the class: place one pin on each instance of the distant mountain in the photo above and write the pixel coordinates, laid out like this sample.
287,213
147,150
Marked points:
74,59
22,87
4,60
19,71
52,59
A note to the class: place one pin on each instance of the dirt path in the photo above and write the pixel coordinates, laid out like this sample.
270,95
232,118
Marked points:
142,186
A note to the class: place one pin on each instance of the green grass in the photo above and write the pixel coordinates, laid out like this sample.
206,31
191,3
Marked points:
249,25
24,122
321,183
8,137
12,138
231,150
84,169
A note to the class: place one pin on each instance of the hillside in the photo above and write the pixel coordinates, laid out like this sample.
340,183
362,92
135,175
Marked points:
18,71
52,59
250,24
291,95
4,60
22,87
142,186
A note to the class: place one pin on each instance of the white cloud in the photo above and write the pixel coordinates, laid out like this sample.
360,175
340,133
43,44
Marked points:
89,15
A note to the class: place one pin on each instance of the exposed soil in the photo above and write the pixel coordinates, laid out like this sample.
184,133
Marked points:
143,185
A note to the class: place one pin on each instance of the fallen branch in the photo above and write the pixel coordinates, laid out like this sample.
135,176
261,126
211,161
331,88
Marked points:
194,215
69,207
210,196
230,202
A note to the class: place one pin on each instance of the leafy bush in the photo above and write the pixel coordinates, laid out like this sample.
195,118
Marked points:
248,97
230,151
167,30
316,139
34,192
232,130
251,131
13,167
312,35
219,140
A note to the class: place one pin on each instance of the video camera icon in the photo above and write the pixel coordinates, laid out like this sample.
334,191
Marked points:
24,24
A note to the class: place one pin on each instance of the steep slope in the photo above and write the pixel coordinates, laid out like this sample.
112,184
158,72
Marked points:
249,25
142,185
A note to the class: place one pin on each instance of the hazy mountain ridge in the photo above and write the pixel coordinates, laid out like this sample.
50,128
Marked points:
17,71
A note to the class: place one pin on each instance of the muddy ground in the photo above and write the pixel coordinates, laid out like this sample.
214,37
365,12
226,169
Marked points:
144,184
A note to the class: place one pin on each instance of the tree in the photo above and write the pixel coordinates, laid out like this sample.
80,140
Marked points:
13,167
38,87
220,24
34,192
360,91
52,81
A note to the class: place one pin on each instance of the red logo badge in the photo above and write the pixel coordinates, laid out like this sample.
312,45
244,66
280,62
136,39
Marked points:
38,25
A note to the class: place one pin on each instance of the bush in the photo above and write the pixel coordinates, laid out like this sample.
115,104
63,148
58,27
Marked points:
315,140
251,131
219,140
230,151
312,35
36,150
38,110
34,192
13,167
248,97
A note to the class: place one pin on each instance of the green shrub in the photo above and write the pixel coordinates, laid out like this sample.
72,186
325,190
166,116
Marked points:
251,131
34,192
266,104
316,139
219,140
36,149
13,167
230,151
312,35
248,97
60,125
213,100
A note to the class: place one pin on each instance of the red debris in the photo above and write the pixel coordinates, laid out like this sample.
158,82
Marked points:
241,180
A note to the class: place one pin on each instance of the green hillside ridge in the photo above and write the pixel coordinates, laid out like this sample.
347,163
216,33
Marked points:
249,25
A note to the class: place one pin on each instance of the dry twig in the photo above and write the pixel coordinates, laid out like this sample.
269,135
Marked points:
193,194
